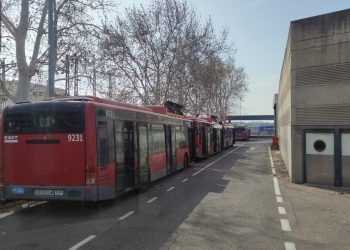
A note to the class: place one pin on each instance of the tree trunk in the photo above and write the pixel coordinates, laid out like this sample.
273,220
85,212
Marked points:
22,93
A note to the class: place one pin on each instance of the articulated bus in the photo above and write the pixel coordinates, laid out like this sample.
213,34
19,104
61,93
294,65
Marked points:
87,148
208,137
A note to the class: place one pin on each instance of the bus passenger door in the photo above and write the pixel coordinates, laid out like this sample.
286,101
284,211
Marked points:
191,142
204,141
170,148
125,155
142,152
129,155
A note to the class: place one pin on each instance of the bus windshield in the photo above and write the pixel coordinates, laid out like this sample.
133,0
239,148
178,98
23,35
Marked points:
44,118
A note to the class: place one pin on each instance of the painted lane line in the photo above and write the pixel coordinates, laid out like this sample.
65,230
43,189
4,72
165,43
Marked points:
153,199
207,166
169,189
184,180
285,225
279,199
3,215
273,172
126,215
271,161
282,210
25,205
289,246
83,242
276,186
36,204
216,170
220,185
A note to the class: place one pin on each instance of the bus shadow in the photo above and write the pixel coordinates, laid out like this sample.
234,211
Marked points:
152,225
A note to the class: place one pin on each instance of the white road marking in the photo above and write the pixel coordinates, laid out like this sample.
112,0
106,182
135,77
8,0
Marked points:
36,204
271,161
273,171
153,199
279,199
3,215
184,180
220,185
252,148
216,170
126,215
281,210
169,189
83,242
285,225
25,205
276,186
207,166
289,246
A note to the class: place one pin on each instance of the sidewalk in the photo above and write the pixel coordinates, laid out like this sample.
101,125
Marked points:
319,217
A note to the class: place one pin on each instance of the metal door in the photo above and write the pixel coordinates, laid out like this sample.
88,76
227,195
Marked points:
345,149
319,158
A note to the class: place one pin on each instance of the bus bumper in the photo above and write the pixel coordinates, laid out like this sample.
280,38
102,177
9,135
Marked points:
70,193
2,193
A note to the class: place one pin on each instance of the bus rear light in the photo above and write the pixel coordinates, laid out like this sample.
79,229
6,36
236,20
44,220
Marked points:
90,181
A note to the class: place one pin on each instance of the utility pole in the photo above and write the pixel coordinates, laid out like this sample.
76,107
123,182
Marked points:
76,89
3,65
0,25
51,82
67,76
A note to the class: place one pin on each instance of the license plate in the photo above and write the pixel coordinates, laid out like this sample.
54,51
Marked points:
48,192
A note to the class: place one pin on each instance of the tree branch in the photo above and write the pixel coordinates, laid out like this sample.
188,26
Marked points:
39,35
8,24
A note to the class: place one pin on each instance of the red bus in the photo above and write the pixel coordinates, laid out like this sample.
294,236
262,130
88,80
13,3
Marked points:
87,148
208,137
242,133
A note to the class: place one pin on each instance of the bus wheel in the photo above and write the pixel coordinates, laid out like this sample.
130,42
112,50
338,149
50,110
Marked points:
186,161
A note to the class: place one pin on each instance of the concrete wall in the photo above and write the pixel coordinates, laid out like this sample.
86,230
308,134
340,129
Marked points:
314,88
284,109
320,48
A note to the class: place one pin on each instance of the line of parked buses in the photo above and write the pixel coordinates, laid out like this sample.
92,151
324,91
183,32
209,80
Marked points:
90,149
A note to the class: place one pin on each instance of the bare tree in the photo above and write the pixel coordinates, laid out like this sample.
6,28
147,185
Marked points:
149,47
26,26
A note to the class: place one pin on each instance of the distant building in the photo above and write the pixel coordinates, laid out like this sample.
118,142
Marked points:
37,93
313,102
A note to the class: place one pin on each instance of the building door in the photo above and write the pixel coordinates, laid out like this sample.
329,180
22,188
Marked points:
319,158
345,150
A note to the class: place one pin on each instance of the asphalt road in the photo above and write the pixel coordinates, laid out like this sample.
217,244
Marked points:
225,202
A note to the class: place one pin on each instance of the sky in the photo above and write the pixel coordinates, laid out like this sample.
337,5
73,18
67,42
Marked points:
259,31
